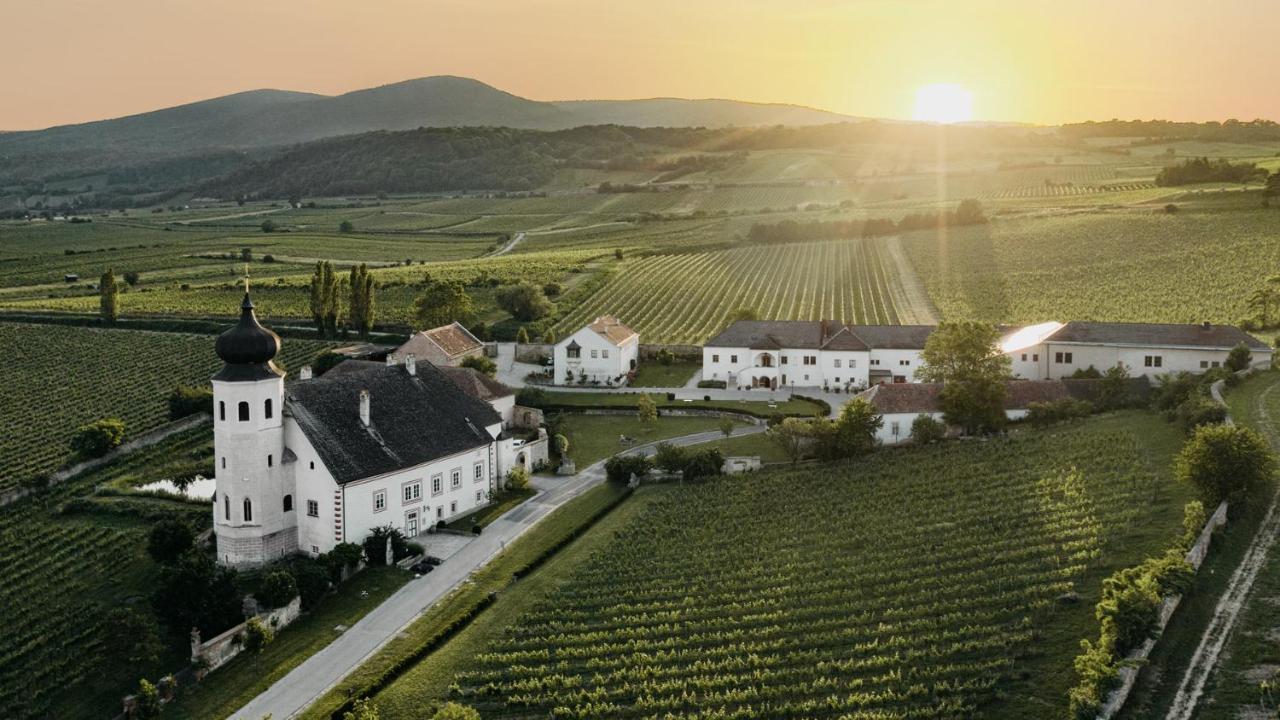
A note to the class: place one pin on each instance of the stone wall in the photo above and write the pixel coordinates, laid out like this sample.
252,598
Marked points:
215,652
526,418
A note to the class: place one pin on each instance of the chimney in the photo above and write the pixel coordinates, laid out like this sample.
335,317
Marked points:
364,408
305,373
391,360
411,364
1207,325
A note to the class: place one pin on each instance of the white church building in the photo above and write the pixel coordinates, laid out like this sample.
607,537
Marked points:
303,466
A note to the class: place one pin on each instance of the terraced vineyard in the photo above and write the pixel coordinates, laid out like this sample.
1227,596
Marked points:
905,585
687,298
59,378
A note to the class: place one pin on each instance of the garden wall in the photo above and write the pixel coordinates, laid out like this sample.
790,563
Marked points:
215,652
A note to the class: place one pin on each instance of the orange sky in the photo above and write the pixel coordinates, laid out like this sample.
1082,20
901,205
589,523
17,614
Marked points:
1029,60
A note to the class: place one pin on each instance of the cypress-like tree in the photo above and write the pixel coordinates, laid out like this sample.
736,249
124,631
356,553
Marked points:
332,300
317,297
109,300
360,312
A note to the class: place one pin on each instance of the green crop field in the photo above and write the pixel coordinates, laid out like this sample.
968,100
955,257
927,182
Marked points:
913,583
686,298
58,378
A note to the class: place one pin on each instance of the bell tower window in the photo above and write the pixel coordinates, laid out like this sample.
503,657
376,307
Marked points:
266,409
248,510
226,508
288,503
244,411
222,411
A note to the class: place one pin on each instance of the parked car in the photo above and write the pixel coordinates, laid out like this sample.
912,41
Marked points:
422,567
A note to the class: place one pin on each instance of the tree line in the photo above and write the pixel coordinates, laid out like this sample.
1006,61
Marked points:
969,212
1202,170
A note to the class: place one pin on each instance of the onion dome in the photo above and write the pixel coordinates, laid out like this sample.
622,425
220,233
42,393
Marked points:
248,343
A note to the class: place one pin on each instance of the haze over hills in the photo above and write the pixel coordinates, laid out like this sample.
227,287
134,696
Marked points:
266,118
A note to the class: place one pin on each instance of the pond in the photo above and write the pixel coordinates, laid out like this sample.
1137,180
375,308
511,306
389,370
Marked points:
201,488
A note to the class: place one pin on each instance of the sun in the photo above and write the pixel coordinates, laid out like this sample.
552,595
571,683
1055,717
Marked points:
943,103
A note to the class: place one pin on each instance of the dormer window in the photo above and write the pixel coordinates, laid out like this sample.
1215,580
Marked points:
573,351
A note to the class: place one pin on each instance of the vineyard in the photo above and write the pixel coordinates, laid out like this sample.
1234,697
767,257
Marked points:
1134,266
689,297
63,574
916,584
57,378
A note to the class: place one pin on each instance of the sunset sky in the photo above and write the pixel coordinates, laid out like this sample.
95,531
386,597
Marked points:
1025,60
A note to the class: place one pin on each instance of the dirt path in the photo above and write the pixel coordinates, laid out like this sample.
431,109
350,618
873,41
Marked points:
515,240
1227,611
908,294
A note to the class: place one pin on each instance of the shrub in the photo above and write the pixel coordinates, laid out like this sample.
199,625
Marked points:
257,635
703,463
1173,390
131,277
1225,462
169,539
277,590
375,546
1238,359
480,364
312,578
670,458
518,478
561,444
665,357
713,384
525,301
534,397
1043,414
268,226
98,437
342,557
620,468
148,701
454,711
551,290
362,709
926,429
1199,410
186,400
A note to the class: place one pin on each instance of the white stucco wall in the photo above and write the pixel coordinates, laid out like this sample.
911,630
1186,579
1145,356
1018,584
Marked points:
886,436
1102,357
609,363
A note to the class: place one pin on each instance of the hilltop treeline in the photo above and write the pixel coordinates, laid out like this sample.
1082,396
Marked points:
1202,170
968,212
1227,131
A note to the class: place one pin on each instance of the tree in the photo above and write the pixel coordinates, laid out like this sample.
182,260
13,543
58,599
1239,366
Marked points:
1113,389
1239,357
131,277
965,357
522,336
186,400
109,297
1272,188
326,361
856,427
364,709
360,310
525,301
561,444
705,462
454,711
346,227
793,436
442,302
620,468
268,226
98,437
968,212
646,409
170,539
726,426
325,299
480,364
1261,301
131,637
277,590
375,545
926,429
670,458
257,636
147,701
195,591
1225,462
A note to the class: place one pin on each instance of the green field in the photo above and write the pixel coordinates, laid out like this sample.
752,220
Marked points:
912,583
61,377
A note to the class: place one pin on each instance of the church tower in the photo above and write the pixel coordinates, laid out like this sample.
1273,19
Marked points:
254,518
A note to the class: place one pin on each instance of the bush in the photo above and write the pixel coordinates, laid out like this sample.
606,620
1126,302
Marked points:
706,462
375,546
312,578
454,711
342,557
926,429
670,458
525,301
1225,462
257,636
560,444
552,289
534,397
620,468
1199,410
1173,390
713,384
1043,414
148,701
665,357
169,540
480,364
98,438
186,400
277,590
518,478
1238,359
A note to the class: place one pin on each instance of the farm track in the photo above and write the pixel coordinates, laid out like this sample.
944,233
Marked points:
1233,600
908,293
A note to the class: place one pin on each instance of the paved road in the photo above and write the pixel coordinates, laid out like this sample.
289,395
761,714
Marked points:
290,695
515,240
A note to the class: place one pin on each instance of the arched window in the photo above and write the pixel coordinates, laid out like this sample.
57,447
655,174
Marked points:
222,411
288,503
248,510
270,460
266,409
226,508
244,411
224,463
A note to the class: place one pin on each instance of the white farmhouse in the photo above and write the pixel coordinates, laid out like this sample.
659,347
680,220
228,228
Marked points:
603,352
304,466
772,354
900,404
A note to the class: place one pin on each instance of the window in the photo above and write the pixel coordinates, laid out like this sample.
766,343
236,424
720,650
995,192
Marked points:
380,501
455,478
1204,364
604,353
837,362
836,380
810,359
875,361
595,354
479,496
222,411
1215,363
453,507
895,428
226,508
1035,357
853,362
224,463
313,464
440,512
806,377
313,508
784,359
733,359
435,485
248,510
315,549
266,408
715,358
1062,358
412,491
244,411
904,363
1024,357
271,461
1153,361
479,471
288,503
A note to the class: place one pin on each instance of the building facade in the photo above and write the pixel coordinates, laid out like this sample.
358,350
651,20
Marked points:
601,353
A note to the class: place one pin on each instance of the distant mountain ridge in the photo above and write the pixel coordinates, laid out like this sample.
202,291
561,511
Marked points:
269,118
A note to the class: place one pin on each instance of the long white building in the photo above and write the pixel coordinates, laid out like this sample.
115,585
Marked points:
821,354
304,466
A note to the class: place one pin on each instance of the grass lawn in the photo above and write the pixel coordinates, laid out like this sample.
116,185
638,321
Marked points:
655,375
496,576
1228,689
595,437
228,688
749,445
805,408
505,500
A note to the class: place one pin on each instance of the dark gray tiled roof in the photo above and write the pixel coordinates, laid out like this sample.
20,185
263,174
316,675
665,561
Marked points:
413,418
1222,337
820,334
927,397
